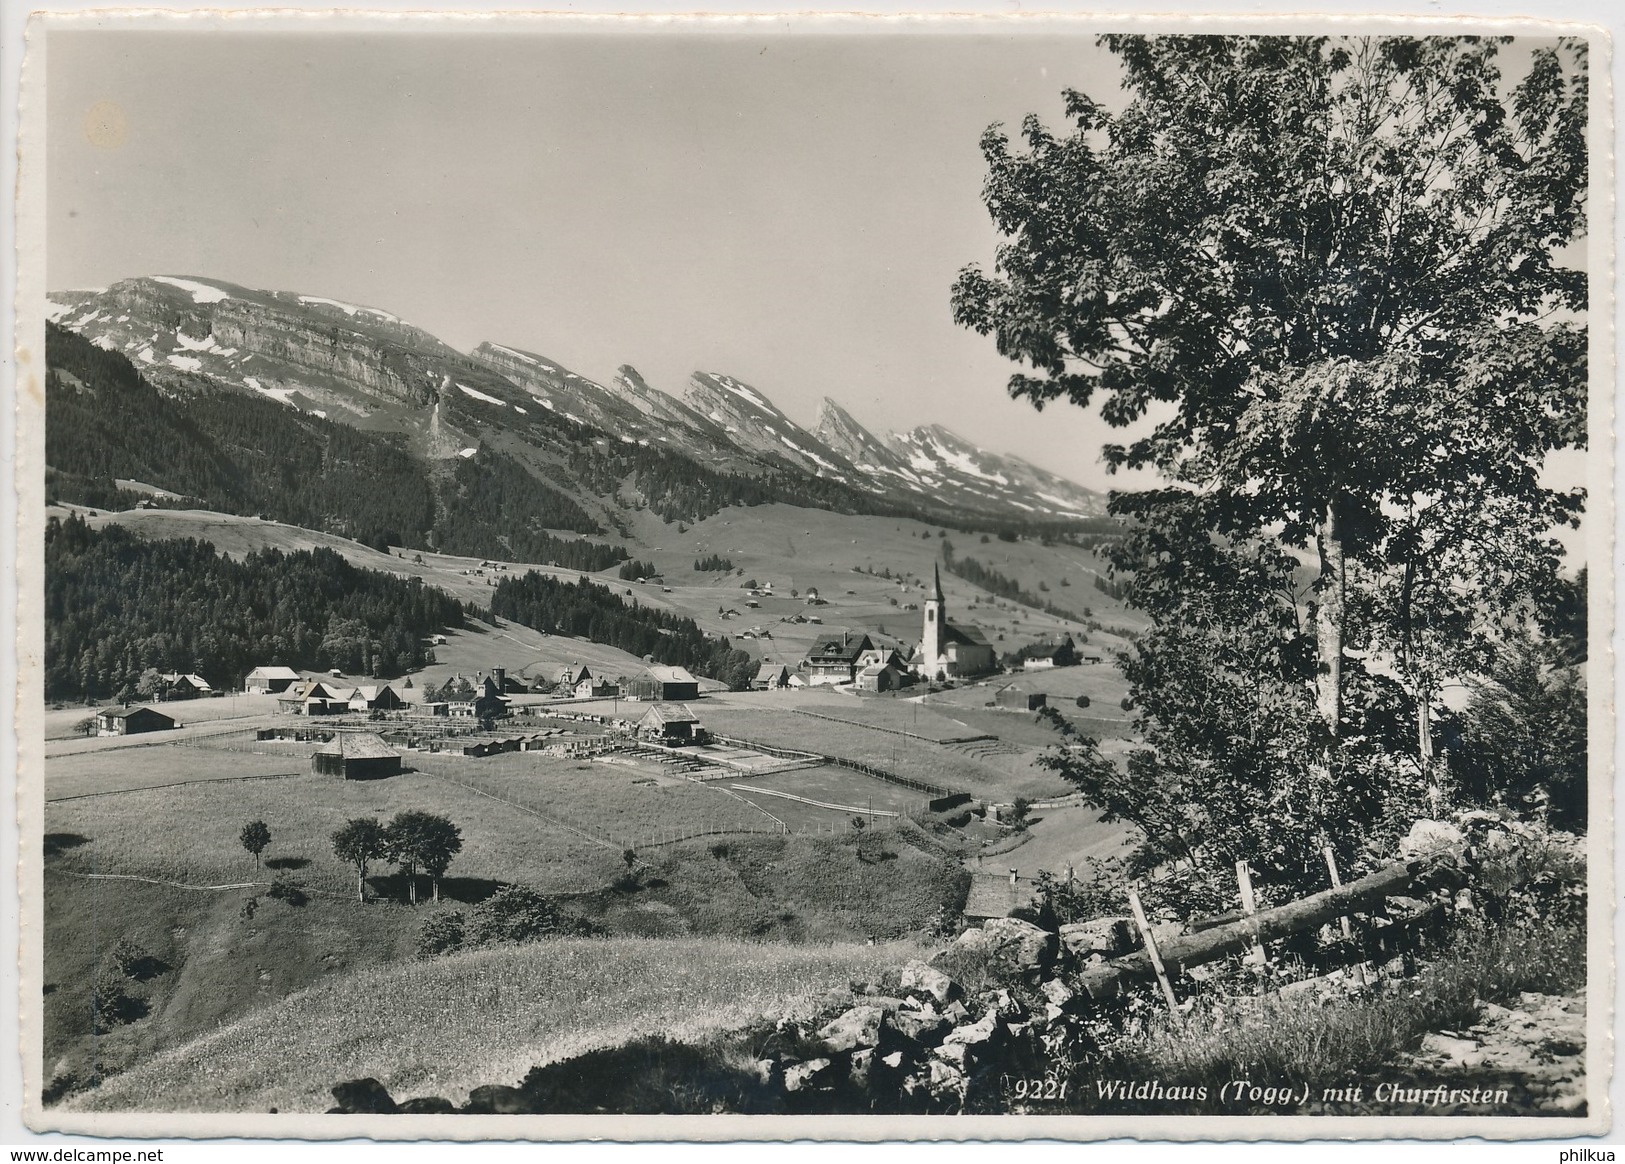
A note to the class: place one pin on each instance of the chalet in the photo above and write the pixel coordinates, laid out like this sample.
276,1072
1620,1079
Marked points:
770,677
992,895
186,686
270,680
671,725
315,697
376,697
882,657
597,689
879,677
1020,697
1043,656
130,721
356,756
835,661
949,651
664,684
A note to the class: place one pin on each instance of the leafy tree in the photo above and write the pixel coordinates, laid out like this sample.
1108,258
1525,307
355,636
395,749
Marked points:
1338,268
421,840
361,841
256,835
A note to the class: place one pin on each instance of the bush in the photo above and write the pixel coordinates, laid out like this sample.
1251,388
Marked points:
515,913
1083,701
441,934
288,890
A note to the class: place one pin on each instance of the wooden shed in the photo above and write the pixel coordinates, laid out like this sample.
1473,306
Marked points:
129,721
356,756
1020,697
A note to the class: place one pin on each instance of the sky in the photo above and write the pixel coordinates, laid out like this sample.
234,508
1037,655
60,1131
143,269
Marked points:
787,208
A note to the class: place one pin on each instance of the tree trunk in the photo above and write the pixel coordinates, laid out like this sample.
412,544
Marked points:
1329,614
361,883
412,885
435,884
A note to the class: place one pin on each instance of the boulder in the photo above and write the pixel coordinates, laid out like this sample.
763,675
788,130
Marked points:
496,1099
927,982
923,1026
1430,836
1110,937
812,1075
955,1012
862,1026
978,1035
1057,993
945,1081
428,1105
363,1097
1017,947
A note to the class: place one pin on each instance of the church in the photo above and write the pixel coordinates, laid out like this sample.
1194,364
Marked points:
948,651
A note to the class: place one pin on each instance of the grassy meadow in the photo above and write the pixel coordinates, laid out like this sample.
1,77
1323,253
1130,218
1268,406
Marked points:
445,1026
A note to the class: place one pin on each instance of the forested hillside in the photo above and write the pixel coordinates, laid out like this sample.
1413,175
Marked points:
238,453
116,605
594,612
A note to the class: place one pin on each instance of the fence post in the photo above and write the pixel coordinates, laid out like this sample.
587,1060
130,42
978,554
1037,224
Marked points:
1346,925
1249,906
1151,952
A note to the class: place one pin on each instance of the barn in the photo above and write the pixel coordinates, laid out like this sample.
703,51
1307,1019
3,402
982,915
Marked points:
270,680
183,686
356,756
770,677
671,725
129,721
665,684
878,677
1020,697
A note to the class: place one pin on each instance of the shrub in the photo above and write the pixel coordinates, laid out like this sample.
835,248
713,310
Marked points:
515,913
441,934
1083,701
288,890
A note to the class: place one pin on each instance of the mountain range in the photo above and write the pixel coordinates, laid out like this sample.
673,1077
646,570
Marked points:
369,369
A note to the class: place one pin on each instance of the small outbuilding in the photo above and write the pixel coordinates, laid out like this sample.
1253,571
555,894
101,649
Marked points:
671,725
770,677
356,756
129,721
878,677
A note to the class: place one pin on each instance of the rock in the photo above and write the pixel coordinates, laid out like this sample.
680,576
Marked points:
893,1060
763,1071
363,1097
861,1068
862,1026
428,1105
956,1053
496,1099
812,1075
1111,937
1017,947
1430,836
921,979
977,1035
887,1002
945,1081
923,1026
1057,993
955,1012
1454,1051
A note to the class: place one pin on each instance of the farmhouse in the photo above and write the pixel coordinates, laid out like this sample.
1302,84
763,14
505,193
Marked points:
1043,656
835,661
129,721
879,677
664,683
356,756
1020,697
770,677
270,680
376,698
315,697
948,651
186,686
671,725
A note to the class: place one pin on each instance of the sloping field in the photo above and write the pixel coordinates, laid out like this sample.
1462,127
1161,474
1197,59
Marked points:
190,834
445,1026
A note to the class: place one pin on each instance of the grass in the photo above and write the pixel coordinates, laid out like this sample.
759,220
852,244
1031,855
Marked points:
610,800
190,834
130,769
446,1026
1348,1043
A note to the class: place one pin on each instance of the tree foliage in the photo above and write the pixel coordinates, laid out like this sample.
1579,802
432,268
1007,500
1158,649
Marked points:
256,836
422,841
359,842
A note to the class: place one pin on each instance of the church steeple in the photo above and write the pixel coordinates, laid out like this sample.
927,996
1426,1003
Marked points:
936,591
932,630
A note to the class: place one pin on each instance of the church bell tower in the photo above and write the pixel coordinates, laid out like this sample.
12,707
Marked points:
931,634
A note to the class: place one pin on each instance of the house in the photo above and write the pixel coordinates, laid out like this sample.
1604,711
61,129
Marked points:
879,677
597,689
1020,697
186,686
489,702
949,651
1043,656
572,676
376,697
993,895
130,721
770,677
270,680
882,657
812,597
835,661
356,756
315,697
675,724
665,684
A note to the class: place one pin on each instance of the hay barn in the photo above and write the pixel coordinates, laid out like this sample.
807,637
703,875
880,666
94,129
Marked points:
356,756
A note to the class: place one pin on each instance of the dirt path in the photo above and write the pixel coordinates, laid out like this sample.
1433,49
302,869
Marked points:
1536,1050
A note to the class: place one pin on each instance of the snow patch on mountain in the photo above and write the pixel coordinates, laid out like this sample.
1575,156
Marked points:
478,395
201,292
